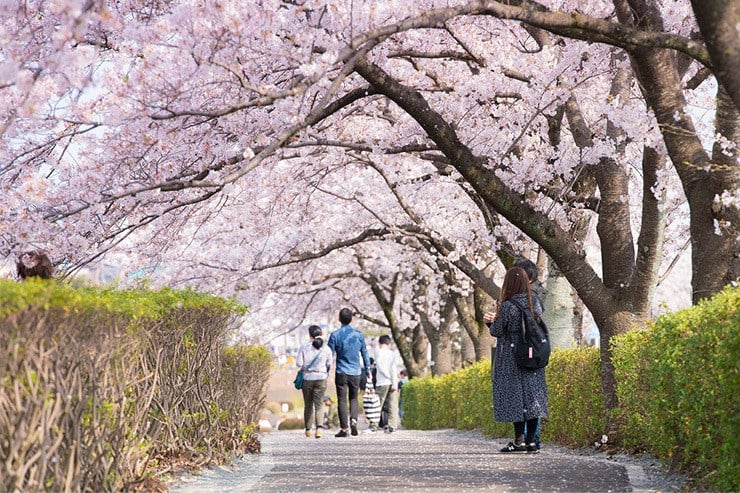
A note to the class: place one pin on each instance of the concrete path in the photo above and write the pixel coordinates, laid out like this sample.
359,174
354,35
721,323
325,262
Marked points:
410,461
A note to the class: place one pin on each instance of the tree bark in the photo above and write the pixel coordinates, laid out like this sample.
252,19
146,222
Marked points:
470,311
718,20
558,306
437,333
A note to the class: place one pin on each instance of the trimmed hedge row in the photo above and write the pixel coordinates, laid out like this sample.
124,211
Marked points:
464,400
678,388
677,384
99,388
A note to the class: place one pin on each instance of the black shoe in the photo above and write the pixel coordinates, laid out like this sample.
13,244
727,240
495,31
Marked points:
513,447
353,427
389,430
532,448
341,434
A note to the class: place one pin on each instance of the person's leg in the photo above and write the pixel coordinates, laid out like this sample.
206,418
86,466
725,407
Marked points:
382,391
531,427
531,430
318,402
342,387
353,384
307,406
393,411
537,434
384,413
519,432
518,444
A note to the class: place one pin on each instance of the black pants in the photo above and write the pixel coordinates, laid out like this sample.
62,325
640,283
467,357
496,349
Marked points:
345,384
531,429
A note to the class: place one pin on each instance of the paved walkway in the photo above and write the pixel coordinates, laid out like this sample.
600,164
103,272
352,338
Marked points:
410,461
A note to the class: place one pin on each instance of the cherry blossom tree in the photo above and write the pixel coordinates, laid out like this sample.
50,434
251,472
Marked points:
208,141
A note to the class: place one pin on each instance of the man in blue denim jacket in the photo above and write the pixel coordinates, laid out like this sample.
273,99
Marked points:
348,344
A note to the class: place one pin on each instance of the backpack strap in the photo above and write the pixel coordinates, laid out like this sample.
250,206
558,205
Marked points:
524,311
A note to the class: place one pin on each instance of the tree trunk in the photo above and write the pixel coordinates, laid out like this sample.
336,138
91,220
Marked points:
441,346
483,303
468,353
558,305
718,20
470,311
418,353
440,338
578,319
611,325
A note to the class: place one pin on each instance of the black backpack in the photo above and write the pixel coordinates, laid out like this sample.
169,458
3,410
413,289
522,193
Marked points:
532,348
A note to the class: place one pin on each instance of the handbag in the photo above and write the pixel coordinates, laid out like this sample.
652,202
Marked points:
298,382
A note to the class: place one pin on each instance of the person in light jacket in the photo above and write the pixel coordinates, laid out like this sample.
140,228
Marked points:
386,381
519,396
315,359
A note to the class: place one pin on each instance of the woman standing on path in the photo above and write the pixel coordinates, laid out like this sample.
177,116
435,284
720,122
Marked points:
519,396
314,358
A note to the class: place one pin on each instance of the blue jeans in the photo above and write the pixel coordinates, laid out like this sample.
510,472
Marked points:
536,432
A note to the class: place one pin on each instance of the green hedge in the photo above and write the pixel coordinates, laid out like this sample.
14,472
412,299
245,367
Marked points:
100,387
677,384
575,398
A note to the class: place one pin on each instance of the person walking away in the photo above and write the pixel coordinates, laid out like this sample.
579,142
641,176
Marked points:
315,359
371,407
533,273
348,344
402,380
519,396
386,383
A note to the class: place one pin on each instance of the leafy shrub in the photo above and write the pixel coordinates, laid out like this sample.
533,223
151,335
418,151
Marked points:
417,404
99,385
575,397
678,384
472,393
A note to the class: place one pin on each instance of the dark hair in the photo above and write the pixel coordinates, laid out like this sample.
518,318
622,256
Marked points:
345,316
529,267
516,281
404,373
384,339
34,264
315,332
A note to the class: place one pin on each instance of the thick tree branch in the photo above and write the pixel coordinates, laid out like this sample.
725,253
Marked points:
557,242
650,240
570,24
